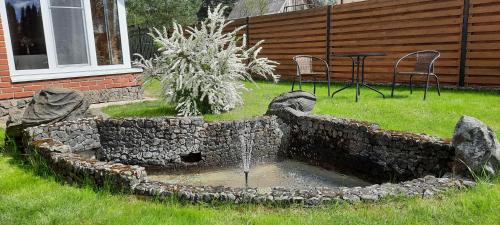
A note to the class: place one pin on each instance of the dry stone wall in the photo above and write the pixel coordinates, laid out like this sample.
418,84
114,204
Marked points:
188,142
74,168
81,135
181,142
364,149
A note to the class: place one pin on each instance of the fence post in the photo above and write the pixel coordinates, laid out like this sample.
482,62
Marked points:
328,34
464,42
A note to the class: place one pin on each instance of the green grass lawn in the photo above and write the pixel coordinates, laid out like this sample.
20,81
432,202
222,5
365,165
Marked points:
437,116
26,198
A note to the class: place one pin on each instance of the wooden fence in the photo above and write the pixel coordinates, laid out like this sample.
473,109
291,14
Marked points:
483,44
466,32
141,42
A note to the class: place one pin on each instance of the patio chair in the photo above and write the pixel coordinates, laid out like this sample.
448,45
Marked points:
305,67
424,66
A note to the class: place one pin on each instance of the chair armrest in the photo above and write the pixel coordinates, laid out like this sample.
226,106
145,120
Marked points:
325,63
402,59
431,66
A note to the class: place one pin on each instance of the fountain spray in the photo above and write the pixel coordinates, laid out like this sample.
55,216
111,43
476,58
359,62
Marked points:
246,166
247,145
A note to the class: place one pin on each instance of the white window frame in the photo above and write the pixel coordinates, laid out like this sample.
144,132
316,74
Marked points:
69,71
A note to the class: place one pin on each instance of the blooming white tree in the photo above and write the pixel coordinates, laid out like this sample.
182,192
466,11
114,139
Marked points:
201,71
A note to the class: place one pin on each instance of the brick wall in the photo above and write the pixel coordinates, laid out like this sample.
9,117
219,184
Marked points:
9,90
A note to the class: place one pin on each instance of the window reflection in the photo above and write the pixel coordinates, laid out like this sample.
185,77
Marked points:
106,32
26,33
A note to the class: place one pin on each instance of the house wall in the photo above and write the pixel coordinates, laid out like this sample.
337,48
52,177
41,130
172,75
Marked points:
93,85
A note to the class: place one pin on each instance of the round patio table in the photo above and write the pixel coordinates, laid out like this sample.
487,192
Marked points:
358,60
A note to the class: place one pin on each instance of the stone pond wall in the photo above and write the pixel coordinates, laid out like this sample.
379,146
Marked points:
81,135
76,169
354,147
365,150
188,142
171,142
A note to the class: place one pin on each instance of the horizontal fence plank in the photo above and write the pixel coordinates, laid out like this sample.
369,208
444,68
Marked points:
422,6
483,57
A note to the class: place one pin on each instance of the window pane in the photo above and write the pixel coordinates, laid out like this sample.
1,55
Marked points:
107,32
66,3
26,34
69,35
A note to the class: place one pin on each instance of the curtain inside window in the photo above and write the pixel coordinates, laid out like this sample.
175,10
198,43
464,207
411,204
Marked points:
69,32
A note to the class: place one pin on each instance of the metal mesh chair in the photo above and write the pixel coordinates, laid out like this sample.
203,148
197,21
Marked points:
424,66
305,67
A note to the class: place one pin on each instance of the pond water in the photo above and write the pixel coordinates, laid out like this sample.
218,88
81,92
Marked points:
289,174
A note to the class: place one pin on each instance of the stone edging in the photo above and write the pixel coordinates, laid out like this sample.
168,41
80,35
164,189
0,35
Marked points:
133,179
76,169
422,187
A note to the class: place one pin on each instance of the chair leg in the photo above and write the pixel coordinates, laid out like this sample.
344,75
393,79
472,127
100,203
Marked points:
293,83
352,76
300,83
438,86
427,86
314,85
328,78
411,84
393,84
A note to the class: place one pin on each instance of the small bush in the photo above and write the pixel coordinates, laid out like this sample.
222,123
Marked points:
201,71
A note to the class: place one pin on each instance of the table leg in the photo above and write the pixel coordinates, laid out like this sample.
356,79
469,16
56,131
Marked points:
362,61
363,80
343,88
363,69
352,71
357,62
348,85
374,89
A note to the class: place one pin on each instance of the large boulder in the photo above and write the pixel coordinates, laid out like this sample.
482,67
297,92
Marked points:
54,105
476,146
296,102
49,106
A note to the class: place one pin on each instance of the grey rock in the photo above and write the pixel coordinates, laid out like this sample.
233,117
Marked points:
469,183
53,105
47,106
476,146
369,198
427,193
351,198
296,102
313,201
14,123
